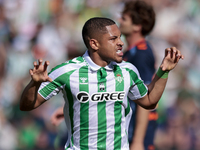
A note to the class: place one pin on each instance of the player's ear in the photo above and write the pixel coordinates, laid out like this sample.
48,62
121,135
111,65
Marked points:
137,28
94,44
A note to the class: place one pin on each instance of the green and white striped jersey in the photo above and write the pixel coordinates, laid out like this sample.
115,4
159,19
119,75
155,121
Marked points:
97,111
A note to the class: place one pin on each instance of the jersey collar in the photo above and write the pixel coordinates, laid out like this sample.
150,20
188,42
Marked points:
94,66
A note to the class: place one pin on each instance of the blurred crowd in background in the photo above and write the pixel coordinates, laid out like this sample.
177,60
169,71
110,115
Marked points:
51,30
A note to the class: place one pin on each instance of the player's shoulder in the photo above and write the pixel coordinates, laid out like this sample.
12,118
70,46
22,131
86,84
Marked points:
76,60
127,65
69,65
143,45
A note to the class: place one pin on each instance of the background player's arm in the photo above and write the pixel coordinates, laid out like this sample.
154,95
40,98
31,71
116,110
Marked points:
30,98
58,116
157,86
140,128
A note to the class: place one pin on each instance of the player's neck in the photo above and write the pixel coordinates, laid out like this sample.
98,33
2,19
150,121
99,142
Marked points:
133,39
97,59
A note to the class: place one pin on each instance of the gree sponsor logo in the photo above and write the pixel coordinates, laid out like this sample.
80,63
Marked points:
84,97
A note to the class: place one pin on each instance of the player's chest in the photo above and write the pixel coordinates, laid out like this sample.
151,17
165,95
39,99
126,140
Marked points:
110,86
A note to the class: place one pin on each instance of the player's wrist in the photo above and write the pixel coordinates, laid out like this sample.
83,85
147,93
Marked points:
35,83
162,74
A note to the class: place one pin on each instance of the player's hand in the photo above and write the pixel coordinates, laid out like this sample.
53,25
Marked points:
57,117
39,72
172,56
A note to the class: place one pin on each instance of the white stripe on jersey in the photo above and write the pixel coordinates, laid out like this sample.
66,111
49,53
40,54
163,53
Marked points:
110,112
76,107
93,119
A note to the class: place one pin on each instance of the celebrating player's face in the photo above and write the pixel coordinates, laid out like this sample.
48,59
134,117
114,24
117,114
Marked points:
110,45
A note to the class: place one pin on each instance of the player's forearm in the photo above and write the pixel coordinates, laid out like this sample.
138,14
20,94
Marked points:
156,89
29,96
141,125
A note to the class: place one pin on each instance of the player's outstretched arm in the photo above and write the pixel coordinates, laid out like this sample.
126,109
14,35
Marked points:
157,86
30,99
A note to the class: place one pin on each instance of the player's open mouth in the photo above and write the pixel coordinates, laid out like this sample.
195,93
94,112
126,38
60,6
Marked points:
119,53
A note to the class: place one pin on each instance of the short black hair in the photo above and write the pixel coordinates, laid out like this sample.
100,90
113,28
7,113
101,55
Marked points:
93,27
141,13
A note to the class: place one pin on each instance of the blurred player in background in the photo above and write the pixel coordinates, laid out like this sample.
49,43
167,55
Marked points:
137,21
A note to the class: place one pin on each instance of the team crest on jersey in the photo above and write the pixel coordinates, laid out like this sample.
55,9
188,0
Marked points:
83,80
101,86
119,78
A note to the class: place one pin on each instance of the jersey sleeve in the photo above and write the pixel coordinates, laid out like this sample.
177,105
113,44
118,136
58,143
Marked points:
50,89
137,89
